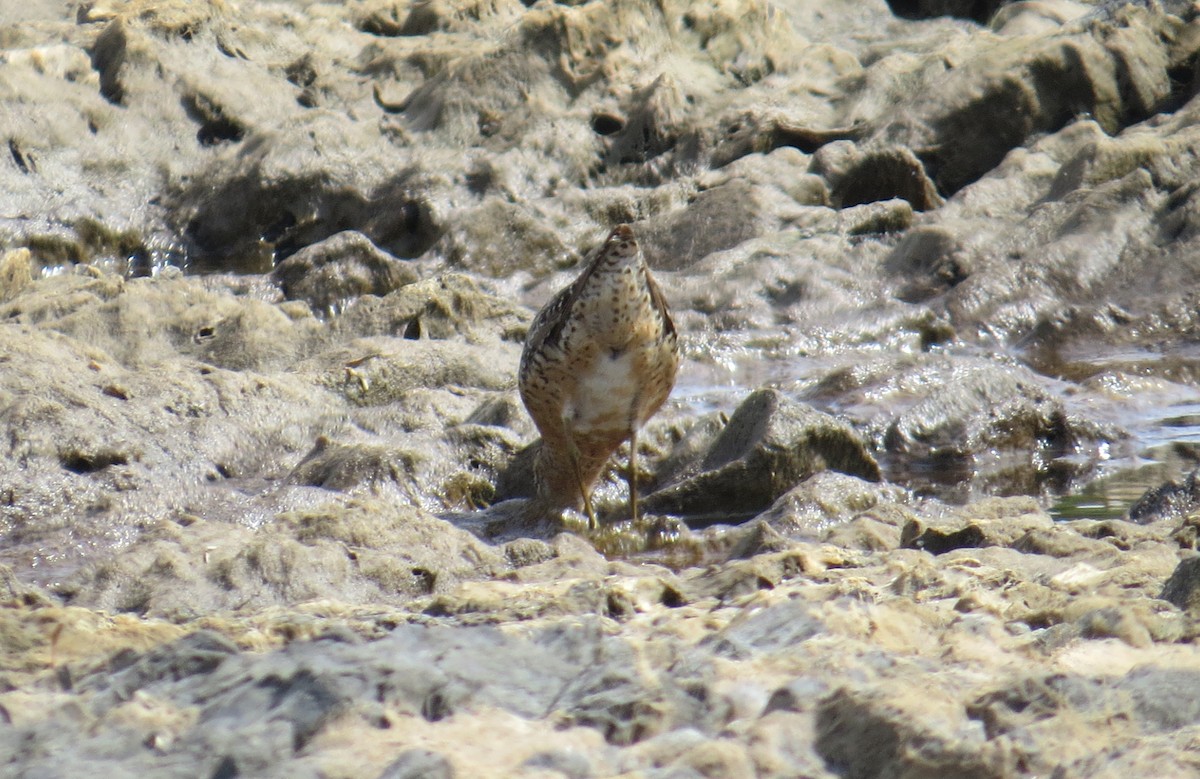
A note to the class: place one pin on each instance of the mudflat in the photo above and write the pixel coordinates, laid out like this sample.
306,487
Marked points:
923,501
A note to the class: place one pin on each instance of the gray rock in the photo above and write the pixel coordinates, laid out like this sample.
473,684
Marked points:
446,307
718,219
610,695
199,653
769,444
771,630
329,274
344,467
419,764
825,500
861,735
1154,700
965,418
571,765
932,261
1172,500
357,549
1164,699
499,238
1183,588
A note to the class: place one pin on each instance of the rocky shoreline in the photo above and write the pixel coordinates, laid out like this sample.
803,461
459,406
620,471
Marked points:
265,273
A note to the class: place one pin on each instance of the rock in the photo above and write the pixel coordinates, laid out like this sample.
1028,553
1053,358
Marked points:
329,274
113,316
982,409
992,522
873,175
742,577
439,308
1148,700
650,142
1182,588
344,467
13,591
770,630
358,549
16,272
419,764
280,192
817,505
932,260
1031,18
717,219
769,444
1172,500
197,653
381,371
861,735
1016,106
571,765
1163,699
517,479
500,238
965,414
938,542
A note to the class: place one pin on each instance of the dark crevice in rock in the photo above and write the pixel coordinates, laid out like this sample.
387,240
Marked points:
976,10
422,19
81,463
302,73
807,139
1183,86
606,123
383,25
215,126
23,160
649,140
108,55
279,228
226,769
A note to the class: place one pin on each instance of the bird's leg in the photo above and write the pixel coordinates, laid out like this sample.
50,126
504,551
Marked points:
633,475
583,490
633,469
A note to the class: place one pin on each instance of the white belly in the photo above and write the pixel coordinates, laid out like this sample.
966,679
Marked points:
604,395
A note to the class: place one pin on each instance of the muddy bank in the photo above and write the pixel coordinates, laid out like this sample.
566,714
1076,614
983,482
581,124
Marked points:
993,652
265,273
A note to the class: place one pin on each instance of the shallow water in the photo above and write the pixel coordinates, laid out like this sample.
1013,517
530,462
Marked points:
1167,444
1161,417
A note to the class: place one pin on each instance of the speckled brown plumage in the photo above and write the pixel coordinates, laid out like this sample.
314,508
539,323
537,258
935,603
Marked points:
600,360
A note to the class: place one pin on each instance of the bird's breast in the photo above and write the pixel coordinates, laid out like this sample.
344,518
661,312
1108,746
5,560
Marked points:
606,391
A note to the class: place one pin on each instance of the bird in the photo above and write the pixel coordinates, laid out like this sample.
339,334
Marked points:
599,360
